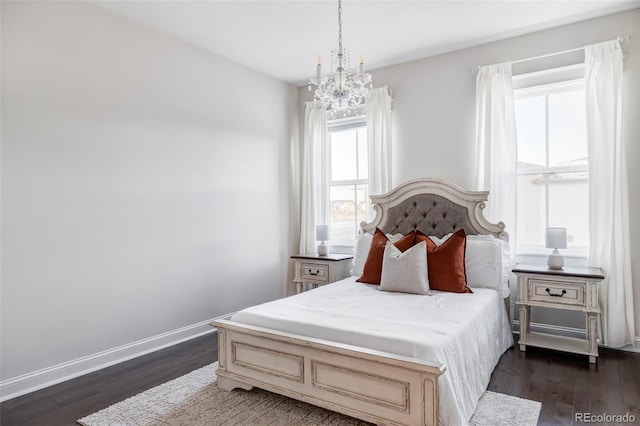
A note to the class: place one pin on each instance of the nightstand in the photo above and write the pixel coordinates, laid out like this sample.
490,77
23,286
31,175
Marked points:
570,288
314,270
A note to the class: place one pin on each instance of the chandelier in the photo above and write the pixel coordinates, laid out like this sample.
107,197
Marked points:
342,90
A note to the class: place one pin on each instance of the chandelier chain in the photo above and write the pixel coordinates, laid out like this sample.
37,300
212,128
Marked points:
340,24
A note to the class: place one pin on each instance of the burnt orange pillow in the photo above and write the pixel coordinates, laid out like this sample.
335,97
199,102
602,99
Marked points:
446,263
373,265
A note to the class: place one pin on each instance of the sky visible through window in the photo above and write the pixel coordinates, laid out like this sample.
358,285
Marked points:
567,129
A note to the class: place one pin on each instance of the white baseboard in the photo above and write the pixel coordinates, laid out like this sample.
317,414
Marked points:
578,333
49,376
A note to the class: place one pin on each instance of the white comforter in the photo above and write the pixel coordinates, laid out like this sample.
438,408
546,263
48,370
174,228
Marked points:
466,332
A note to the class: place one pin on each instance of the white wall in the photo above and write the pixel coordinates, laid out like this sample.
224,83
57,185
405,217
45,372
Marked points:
145,184
434,107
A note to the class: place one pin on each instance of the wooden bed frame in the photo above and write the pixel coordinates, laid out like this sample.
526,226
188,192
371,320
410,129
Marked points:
374,386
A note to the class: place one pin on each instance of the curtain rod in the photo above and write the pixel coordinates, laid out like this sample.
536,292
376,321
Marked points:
548,55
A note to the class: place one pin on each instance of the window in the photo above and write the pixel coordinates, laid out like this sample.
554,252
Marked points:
348,181
552,169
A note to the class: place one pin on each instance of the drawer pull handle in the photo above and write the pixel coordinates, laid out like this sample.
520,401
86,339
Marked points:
316,272
556,294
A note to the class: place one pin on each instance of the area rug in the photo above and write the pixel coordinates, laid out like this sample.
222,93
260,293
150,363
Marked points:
195,400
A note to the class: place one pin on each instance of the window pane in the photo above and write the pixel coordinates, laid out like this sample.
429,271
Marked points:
348,188
342,212
363,158
567,128
551,133
530,125
349,206
343,155
531,210
569,206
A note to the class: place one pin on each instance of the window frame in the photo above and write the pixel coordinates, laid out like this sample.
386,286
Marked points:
546,83
337,125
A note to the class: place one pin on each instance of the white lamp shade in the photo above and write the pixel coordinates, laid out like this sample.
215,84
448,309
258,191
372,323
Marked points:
322,232
556,238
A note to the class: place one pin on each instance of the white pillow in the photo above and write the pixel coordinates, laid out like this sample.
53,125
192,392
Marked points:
487,263
405,272
361,250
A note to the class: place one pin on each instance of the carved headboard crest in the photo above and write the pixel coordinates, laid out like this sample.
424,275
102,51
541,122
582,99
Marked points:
433,206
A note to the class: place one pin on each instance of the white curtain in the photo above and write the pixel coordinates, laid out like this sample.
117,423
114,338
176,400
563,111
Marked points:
608,191
314,176
379,140
496,144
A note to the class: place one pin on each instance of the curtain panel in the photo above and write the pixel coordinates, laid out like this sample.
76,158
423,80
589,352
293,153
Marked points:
496,144
378,109
314,175
608,191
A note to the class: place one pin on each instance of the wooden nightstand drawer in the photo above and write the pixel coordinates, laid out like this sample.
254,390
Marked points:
317,272
557,292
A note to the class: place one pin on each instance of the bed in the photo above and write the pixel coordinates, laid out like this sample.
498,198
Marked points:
384,357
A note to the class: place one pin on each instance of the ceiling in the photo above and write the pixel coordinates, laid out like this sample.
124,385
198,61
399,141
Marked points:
284,38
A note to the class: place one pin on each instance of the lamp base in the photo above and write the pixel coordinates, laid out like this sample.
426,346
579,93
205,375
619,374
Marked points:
555,260
323,249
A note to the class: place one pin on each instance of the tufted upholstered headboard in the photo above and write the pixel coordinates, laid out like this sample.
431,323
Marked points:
433,206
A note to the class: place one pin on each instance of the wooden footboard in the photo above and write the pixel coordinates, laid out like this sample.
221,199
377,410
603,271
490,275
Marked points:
374,386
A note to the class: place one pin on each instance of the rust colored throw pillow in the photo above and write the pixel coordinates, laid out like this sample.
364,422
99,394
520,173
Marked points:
446,263
373,266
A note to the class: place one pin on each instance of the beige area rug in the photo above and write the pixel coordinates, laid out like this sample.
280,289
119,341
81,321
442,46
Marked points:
195,400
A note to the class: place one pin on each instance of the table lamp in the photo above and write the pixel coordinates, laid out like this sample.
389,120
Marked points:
556,239
322,234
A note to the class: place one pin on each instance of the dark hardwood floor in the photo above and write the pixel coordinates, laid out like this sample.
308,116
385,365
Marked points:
565,384
64,403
